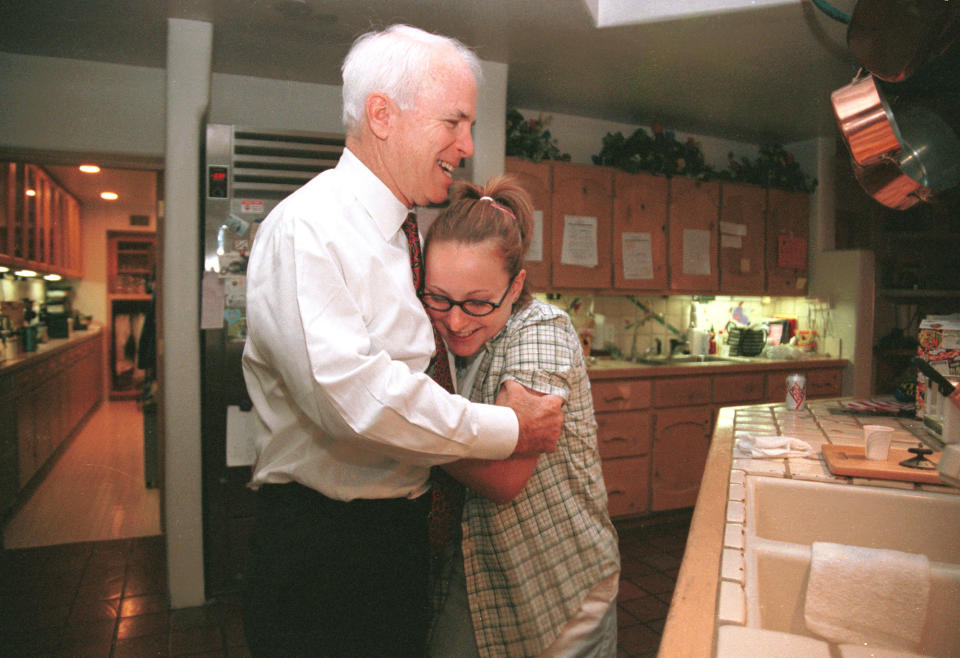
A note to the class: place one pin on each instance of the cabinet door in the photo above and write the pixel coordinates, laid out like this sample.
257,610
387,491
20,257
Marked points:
742,268
824,382
26,438
681,441
739,388
693,214
8,206
582,212
623,434
788,227
628,485
639,232
620,394
535,177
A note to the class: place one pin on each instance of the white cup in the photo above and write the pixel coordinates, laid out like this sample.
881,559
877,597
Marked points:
876,441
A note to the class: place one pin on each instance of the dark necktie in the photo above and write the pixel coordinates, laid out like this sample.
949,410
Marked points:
446,494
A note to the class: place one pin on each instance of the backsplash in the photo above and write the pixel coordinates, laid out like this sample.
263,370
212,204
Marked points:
616,318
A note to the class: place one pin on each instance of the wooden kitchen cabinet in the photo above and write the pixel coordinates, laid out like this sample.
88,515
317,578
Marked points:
639,232
537,179
624,421
43,402
821,383
739,388
693,213
742,253
681,441
581,226
39,222
788,228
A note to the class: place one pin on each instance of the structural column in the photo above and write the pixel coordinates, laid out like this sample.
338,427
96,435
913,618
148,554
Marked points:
189,48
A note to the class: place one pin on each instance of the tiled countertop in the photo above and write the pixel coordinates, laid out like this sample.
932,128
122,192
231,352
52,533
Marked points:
709,586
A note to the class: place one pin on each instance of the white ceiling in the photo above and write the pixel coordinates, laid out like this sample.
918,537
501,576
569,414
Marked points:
759,75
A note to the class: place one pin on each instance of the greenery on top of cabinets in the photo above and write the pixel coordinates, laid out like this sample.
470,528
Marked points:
530,139
775,168
660,153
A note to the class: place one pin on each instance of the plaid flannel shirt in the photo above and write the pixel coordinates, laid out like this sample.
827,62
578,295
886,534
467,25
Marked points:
530,563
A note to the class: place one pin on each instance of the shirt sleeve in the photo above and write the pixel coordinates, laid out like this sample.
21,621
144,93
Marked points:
314,329
540,354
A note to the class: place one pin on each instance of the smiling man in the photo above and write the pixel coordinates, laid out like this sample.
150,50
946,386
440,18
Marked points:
337,349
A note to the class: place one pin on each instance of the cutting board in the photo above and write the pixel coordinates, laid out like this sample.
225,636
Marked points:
850,461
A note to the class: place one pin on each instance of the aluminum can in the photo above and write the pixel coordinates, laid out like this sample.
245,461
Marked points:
796,392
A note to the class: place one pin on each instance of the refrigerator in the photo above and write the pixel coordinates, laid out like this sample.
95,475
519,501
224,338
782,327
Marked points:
247,172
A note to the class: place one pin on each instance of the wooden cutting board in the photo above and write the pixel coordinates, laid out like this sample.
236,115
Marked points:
850,461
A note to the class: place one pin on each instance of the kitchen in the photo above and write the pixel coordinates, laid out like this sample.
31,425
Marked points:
136,132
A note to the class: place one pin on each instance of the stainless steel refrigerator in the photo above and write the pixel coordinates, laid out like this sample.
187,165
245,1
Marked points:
246,173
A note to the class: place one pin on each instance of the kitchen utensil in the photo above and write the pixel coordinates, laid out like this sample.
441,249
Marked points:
851,461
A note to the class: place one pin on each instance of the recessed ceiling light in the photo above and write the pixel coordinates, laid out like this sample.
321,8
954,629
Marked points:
109,196
30,192
25,273
89,169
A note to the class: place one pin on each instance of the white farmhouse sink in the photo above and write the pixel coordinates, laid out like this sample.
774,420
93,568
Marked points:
784,517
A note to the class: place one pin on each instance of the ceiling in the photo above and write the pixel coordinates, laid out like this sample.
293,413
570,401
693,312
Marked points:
759,75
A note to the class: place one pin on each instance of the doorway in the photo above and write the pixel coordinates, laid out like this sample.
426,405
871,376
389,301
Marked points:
99,486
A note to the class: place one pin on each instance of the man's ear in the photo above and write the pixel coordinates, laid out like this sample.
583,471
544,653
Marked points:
380,113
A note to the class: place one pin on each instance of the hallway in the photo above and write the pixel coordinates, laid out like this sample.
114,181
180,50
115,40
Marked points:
96,489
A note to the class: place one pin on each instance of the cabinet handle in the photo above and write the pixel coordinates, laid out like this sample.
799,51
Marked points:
615,398
615,492
614,439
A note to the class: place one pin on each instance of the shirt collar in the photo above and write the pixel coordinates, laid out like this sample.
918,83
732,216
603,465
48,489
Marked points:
386,211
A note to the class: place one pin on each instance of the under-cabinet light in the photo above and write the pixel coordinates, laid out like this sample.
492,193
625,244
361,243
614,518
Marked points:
89,168
109,196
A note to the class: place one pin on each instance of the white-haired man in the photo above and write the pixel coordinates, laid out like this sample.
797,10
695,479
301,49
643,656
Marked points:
338,344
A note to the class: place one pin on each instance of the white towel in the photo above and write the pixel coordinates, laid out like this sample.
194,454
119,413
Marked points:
871,596
756,446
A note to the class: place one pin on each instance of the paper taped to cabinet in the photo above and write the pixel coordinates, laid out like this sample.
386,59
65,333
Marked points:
242,430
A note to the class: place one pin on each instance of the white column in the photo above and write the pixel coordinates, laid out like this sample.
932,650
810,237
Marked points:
189,48
490,132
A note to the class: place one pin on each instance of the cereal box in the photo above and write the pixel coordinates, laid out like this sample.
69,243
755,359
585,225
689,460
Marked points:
940,345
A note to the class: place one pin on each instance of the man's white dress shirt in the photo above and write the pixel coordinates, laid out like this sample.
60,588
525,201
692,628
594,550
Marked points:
337,344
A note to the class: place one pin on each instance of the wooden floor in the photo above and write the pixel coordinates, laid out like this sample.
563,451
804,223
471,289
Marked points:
96,489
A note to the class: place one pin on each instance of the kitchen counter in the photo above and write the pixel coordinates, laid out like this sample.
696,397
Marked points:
697,608
49,348
605,368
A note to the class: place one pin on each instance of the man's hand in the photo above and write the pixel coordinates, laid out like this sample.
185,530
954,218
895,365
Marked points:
540,416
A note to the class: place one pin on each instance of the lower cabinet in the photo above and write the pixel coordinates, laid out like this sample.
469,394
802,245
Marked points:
41,404
680,445
654,432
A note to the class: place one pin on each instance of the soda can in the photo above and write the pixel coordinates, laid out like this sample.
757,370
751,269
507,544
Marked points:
796,392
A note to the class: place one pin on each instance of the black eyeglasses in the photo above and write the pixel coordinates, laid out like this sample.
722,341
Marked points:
475,307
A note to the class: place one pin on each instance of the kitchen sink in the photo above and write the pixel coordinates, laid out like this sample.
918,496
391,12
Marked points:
683,358
784,517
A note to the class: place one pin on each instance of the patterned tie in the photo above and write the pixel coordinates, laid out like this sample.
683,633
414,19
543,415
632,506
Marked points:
446,494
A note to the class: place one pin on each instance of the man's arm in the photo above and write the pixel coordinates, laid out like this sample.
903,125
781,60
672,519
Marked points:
540,417
502,481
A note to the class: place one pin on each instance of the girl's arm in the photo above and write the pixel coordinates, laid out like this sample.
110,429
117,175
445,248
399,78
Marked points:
498,480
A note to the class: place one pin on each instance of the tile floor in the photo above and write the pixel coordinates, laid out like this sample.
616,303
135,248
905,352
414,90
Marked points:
108,598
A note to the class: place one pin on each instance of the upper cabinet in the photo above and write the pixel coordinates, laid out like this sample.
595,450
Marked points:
786,242
694,212
582,218
606,230
742,264
639,232
536,179
39,222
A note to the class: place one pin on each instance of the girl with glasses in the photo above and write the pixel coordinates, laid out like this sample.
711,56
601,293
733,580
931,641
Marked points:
537,568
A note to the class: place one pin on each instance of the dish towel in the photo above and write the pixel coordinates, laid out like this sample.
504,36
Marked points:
755,446
870,596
